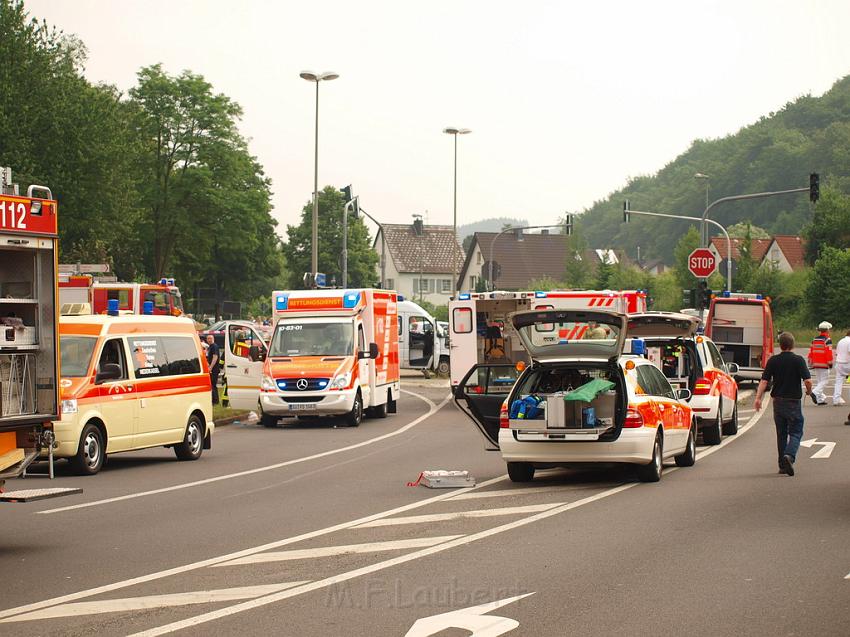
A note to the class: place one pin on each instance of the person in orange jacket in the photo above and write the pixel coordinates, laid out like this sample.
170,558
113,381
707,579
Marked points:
820,361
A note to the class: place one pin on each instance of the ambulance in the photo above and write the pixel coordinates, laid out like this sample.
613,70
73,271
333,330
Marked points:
741,325
480,332
332,353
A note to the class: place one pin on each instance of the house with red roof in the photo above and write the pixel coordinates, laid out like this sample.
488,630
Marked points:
784,252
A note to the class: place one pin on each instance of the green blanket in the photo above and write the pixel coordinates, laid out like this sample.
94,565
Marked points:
589,391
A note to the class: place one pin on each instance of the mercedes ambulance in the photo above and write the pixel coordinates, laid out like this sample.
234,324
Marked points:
480,332
332,353
741,325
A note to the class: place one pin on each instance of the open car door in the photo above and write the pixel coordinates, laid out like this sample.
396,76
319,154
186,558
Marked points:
480,396
245,352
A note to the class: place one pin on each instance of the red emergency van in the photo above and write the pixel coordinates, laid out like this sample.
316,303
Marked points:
741,325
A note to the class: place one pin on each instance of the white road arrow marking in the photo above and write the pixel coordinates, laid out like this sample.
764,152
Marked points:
329,551
823,453
472,619
154,601
459,515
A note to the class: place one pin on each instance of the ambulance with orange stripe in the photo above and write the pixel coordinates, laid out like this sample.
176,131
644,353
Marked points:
332,353
131,382
480,332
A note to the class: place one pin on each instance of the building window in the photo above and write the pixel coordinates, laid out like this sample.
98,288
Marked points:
478,259
424,286
390,285
473,282
446,286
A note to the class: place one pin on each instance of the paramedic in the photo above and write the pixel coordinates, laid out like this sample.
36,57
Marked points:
214,362
820,361
596,331
787,370
842,368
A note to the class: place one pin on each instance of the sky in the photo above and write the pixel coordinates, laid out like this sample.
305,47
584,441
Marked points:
565,100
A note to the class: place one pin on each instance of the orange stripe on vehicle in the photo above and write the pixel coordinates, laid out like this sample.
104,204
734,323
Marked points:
582,332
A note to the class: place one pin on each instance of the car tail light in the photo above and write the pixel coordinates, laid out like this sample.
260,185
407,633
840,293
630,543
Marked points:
702,387
504,421
633,419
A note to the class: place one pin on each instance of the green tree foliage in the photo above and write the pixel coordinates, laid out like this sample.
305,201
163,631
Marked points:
628,277
665,292
828,292
746,265
830,225
362,259
742,229
689,242
604,274
546,283
775,153
577,271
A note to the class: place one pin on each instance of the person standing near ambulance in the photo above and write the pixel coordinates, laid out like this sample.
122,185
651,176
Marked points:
842,368
214,363
820,361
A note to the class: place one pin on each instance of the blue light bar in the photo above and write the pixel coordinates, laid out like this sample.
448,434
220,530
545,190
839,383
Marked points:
638,346
540,295
400,297
759,297
281,302
726,294
463,296
281,384
163,281
323,383
351,299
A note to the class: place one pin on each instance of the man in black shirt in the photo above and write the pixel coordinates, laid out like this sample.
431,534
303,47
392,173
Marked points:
214,362
787,370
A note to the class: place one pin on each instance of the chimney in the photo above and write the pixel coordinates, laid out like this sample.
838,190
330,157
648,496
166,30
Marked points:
544,231
417,225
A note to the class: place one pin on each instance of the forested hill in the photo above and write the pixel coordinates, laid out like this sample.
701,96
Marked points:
811,134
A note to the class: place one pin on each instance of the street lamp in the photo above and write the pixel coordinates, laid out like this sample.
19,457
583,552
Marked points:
703,228
316,77
455,132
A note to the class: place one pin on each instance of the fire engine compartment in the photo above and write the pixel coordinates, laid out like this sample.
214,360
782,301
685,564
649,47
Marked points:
738,331
27,327
497,340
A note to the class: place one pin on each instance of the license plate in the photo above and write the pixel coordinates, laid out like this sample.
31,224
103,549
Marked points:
302,406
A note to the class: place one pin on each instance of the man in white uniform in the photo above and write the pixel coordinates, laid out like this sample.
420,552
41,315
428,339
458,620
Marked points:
842,368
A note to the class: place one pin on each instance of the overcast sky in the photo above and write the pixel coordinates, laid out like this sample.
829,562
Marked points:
566,100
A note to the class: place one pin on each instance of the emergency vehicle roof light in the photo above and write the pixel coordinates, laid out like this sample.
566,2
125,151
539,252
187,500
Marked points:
169,281
163,281
351,299
759,297
638,346
463,296
112,307
726,294
281,302
540,295
147,307
400,297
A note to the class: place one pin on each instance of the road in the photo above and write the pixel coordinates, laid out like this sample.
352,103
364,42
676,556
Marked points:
311,530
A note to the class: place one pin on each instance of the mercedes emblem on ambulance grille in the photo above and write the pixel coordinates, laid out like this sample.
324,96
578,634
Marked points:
302,384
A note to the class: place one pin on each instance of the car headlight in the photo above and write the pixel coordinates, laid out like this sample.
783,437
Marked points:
341,381
69,406
268,384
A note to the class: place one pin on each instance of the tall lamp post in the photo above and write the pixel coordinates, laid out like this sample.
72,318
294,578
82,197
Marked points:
316,77
455,132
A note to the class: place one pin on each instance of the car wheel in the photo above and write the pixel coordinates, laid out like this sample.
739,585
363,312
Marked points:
443,368
521,471
731,428
193,441
652,472
356,414
712,434
380,411
266,420
689,456
91,453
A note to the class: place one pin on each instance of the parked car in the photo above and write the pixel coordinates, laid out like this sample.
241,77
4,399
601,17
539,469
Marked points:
580,400
692,361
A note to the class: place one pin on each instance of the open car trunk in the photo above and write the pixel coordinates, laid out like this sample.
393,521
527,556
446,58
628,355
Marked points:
669,345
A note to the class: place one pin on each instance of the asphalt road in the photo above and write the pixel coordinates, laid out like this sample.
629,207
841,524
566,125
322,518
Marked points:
311,530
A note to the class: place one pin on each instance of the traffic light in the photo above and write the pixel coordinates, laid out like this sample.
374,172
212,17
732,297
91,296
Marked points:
349,197
703,295
569,224
814,187
626,207
689,298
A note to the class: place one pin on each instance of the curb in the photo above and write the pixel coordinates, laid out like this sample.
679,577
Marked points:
229,420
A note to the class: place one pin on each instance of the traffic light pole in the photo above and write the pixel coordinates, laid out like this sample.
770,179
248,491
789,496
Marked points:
383,246
346,210
568,225
703,220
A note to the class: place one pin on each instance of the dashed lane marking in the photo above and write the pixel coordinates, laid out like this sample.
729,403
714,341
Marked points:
432,409
330,551
154,601
458,515
504,493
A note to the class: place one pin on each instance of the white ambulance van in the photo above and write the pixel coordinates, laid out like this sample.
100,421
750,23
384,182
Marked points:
332,353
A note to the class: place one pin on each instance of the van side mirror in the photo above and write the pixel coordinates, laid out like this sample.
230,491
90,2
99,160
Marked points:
109,371
683,394
256,353
371,353
732,368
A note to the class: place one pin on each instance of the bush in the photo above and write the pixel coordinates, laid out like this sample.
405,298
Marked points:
828,291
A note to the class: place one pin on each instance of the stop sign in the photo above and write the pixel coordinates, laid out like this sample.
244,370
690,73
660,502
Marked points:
701,263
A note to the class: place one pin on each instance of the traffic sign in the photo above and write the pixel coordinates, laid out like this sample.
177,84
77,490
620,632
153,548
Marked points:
701,263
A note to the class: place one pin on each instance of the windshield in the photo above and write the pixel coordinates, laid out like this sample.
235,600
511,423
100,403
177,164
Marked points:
296,338
75,355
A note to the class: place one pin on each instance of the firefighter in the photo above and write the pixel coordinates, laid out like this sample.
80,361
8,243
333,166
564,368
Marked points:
820,361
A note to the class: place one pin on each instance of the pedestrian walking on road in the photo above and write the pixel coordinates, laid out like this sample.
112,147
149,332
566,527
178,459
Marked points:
214,362
820,361
842,368
787,370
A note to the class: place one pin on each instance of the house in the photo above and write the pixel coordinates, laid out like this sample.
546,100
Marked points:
520,258
653,267
784,252
420,260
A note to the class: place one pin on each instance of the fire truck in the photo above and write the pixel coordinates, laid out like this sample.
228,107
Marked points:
77,290
741,325
481,334
29,357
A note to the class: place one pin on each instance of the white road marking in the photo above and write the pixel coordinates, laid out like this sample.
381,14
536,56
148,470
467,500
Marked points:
154,601
458,515
177,570
505,493
730,439
472,619
826,452
432,409
330,551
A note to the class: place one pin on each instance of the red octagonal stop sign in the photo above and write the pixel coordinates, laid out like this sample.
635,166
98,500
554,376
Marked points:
701,263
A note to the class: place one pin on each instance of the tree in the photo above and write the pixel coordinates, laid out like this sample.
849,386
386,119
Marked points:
689,242
740,230
578,272
362,259
830,225
746,264
604,273
828,291
545,283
